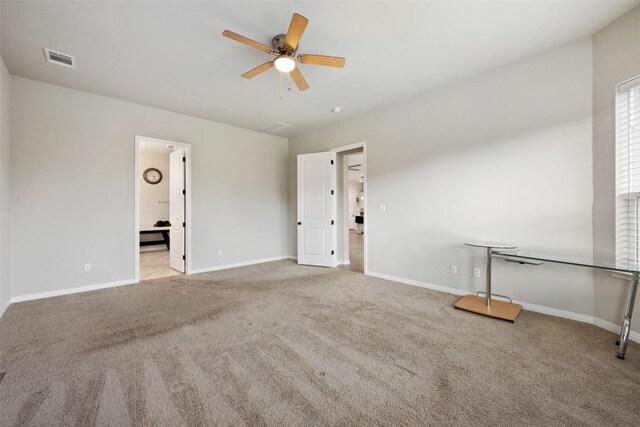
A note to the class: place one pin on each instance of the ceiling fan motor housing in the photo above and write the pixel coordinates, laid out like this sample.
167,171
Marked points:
280,48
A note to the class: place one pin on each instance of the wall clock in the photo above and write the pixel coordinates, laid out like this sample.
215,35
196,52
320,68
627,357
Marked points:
152,176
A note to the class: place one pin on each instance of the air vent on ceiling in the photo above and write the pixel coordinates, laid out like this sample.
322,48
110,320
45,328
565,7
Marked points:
274,127
59,58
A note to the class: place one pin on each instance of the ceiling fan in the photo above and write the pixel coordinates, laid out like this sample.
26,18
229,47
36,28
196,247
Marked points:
284,47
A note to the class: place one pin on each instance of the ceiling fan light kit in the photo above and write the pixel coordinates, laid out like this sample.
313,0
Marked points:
284,63
284,47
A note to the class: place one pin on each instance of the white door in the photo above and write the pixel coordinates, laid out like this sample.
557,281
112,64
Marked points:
352,210
176,209
316,209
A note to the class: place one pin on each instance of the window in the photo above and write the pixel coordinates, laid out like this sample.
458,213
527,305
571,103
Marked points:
628,171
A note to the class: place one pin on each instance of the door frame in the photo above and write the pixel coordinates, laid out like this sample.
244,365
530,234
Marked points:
349,206
187,207
345,186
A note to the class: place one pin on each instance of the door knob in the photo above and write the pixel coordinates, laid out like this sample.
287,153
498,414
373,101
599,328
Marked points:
299,223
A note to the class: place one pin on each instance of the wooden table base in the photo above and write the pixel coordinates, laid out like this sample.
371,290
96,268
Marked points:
498,309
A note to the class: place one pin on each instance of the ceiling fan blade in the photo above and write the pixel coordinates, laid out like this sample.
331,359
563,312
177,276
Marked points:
259,69
296,28
328,61
298,79
247,41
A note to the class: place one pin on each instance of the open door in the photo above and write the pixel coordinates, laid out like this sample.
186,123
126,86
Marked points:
316,209
176,209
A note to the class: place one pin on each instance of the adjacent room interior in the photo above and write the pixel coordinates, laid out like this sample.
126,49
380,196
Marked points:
319,213
355,212
160,199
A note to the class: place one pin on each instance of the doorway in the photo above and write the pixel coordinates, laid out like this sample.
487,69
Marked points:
162,208
323,216
355,211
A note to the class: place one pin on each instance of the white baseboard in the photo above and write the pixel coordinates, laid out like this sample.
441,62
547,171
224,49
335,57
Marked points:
584,318
4,308
68,291
420,284
239,264
633,336
344,262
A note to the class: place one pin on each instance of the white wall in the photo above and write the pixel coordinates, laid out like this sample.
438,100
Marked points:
616,58
72,188
505,156
5,292
150,194
357,188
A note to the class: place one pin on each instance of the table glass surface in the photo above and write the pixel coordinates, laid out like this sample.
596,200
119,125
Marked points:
584,261
490,245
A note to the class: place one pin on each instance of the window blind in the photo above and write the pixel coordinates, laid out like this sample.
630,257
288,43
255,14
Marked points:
628,171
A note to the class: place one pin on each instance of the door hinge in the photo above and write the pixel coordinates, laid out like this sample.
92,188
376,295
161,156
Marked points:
332,192
184,224
332,223
184,192
331,161
332,252
184,159
184,257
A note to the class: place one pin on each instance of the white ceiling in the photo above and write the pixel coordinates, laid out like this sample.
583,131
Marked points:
155,147
171,55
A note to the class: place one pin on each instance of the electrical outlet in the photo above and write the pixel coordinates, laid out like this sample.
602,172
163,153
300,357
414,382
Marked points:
476,272
219,252
454,269
87,268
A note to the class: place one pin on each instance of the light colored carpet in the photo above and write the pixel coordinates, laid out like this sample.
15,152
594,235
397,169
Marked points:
281,344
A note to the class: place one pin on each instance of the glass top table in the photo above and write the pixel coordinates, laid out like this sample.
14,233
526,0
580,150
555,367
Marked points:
583,261
512,253
490,245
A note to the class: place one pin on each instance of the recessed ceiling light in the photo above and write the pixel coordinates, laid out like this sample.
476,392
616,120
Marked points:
336,109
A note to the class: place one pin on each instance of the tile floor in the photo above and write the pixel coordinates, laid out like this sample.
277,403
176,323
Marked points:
356,251
154,265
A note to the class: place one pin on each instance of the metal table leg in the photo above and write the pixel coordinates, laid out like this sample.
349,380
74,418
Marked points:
488,284
485,306
626,323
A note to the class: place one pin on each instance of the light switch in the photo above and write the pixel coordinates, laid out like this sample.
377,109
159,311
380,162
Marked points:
383,208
